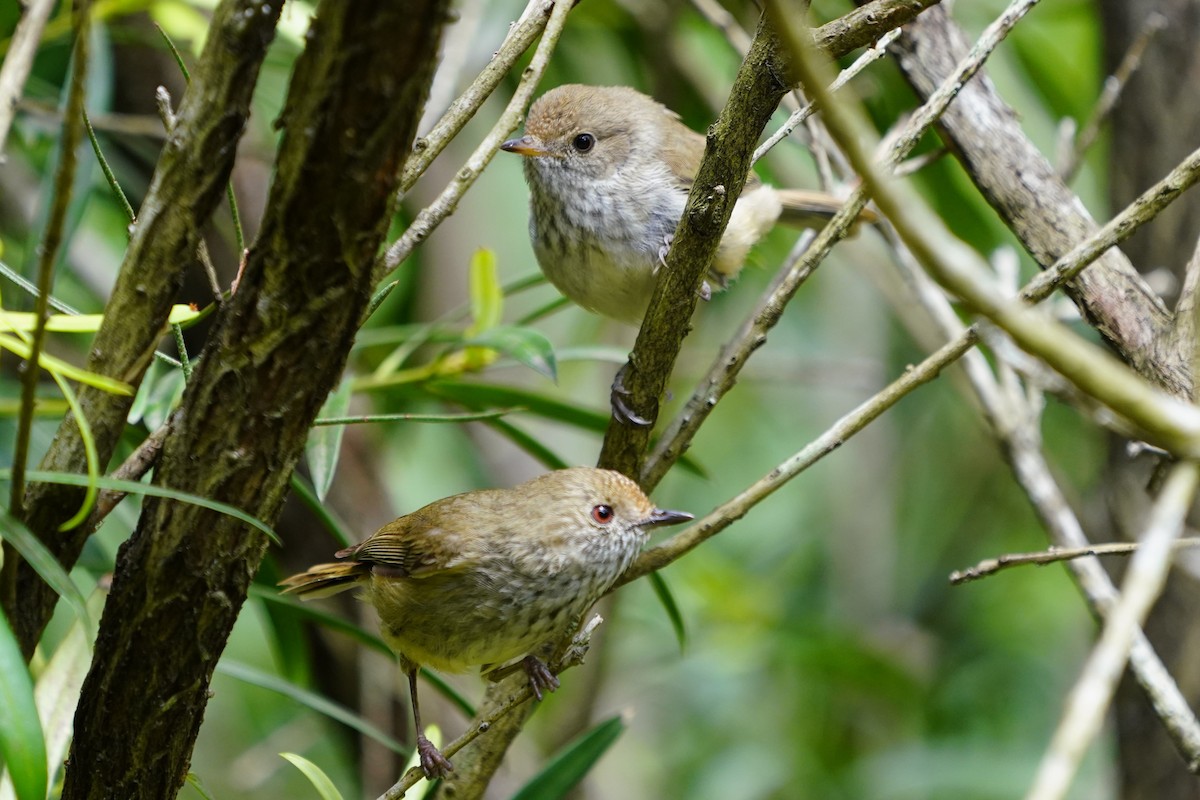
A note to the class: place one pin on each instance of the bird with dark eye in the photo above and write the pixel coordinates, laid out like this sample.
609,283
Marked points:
584,142
602,514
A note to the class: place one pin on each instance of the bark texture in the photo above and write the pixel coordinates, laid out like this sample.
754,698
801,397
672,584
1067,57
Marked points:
1154,126
279,347
192,170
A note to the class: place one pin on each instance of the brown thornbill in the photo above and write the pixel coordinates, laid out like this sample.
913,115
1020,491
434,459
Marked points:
609,170
488,577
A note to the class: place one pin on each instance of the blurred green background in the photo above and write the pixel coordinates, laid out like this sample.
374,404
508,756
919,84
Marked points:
826,654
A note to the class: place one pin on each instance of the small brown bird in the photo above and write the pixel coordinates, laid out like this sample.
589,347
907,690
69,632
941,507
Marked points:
487,577
609,170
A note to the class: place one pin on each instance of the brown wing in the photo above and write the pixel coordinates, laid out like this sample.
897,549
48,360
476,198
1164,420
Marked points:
418,544
684,149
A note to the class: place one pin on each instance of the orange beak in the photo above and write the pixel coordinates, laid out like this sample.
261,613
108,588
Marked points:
528,146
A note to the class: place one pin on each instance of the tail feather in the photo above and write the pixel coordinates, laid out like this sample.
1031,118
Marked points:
808,209
324,580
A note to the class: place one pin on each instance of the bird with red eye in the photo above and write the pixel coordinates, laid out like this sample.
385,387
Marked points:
493,578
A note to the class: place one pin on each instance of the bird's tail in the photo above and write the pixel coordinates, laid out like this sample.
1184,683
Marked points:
326,579
808,209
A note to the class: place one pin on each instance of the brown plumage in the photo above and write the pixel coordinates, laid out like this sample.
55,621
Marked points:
487,577
609,170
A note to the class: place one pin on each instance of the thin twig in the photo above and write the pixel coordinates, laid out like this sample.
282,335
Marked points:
1163,419
19,61
799,116
461,111
572,657
1054,555
445,204
1113,86
1088,701
64,177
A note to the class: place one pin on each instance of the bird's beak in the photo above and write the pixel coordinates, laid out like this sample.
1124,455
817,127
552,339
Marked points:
661,517
527,146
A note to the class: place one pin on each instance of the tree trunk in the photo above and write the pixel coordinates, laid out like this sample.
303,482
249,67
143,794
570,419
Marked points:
1154,126
279,347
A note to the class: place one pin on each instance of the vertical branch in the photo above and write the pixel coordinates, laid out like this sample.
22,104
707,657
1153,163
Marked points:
757,89
280,345
47,254
192,169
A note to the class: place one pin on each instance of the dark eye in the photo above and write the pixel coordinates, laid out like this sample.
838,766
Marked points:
583,142
602,514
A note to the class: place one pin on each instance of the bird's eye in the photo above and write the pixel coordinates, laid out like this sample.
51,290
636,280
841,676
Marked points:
583,142
602,514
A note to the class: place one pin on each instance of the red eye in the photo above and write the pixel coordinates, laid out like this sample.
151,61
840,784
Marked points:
602,514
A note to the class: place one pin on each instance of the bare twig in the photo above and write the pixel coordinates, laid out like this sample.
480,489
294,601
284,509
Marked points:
800,115
572,657
1054,555
1089,699
64,177
19,61
445,204
460,112
1163,419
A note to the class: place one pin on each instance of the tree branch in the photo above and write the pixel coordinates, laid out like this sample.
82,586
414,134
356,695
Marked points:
280,345
192,170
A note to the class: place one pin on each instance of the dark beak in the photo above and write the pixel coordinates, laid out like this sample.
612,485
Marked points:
660,517
525,146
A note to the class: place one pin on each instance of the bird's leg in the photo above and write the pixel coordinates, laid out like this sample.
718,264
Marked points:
541,679
620,408
433,763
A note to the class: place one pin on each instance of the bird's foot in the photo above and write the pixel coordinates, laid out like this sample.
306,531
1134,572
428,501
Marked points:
663,250
620,409
705,291
433,763
541,679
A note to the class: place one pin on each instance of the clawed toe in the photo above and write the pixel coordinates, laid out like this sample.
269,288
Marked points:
620,409
433,763
541,679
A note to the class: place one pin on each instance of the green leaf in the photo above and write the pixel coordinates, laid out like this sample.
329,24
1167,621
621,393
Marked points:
255,677
330,520
568,767
194,780
487,296
67,370
525,345
60,682
325,442
663,592
488,395
22,743
133,487
45,565
530,444
316,776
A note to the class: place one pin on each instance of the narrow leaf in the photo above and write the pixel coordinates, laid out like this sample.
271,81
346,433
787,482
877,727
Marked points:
255,677
45,565
487,296
325,443
525,345
530,444
316,776
67,370
81,323
663,592
21,741
490,395
133,487
571,764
